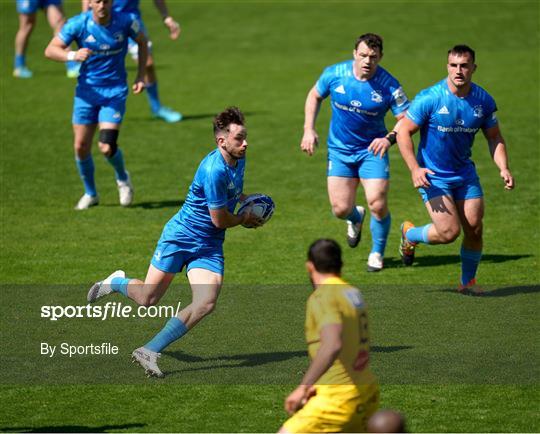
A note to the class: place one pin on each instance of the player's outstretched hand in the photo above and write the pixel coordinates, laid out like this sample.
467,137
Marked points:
173,26
296,400
419,177
138,86
508,179
309,141
82,54
379,146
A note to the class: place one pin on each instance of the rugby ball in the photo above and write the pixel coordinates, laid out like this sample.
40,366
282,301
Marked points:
260,205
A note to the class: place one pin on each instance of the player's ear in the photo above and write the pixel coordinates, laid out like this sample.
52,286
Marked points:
310,267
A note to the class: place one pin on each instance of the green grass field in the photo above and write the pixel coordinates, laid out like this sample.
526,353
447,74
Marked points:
450,363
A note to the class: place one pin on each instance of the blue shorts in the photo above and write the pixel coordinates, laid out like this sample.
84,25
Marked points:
456,188
99,104
171,256
29,7
363,164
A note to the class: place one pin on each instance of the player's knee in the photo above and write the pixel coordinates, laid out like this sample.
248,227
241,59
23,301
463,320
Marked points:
149,300
340,210
108,142
449,234
205,308
377,207
475,232
82,148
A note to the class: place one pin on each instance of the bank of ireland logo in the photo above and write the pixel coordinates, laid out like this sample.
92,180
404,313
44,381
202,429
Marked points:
376,96
460,122
478,111
356,103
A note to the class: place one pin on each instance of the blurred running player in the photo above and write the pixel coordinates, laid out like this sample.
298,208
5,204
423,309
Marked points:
361,93
133,7
448,115
193,238
27,10
339,392
100,97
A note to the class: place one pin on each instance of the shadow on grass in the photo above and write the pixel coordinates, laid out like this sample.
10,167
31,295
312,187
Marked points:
255,359
433,261
159,204
499,292
71,428
186,117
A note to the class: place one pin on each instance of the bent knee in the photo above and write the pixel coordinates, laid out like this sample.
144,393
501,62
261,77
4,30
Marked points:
449,235
203,309
340,210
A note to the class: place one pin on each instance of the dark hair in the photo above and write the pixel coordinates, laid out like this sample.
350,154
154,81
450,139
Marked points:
325,254
231,115
371,40
462,49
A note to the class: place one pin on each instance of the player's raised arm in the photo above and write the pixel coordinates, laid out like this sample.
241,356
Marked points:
142,43
57,50
497,148
310,138
407,129
168,20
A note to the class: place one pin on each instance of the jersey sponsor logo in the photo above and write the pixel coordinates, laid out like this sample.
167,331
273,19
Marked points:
460,122
340,89
458,129
443,111
478,111
104,47
356,103
376,96
90,39
354,109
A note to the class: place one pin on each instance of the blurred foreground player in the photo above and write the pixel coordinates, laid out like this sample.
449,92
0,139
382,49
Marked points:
339,392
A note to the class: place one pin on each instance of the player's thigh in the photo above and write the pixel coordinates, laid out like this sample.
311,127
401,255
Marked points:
376,190
113,107
83,135
205,285
342,191
444,214
471,213
86,105
55,16
157,281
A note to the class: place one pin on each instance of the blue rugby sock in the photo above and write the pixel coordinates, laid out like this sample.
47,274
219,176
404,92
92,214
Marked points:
379,233
86,171
20,60
153,96
120,284
469,264
173,330
117,161
418,234
354,216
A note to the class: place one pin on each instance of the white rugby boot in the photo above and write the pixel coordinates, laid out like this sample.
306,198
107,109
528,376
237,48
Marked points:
148,361
125,191
103,288
86,201
375,262
354,230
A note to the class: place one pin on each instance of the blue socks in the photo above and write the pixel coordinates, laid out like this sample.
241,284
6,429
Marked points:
153,97
379,233
20,60
354,216
469,264
117,161
86,171
173,330
120,284
418,234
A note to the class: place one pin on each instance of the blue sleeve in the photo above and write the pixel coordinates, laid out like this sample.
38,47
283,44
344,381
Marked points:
490,116
215,189
323,83
421,108
399,102
70,30
134,27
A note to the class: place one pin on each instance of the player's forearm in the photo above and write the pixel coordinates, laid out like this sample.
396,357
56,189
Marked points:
85,5
224,219
498,152
59,54
406,149
142,57
311,110
325,357
161,6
